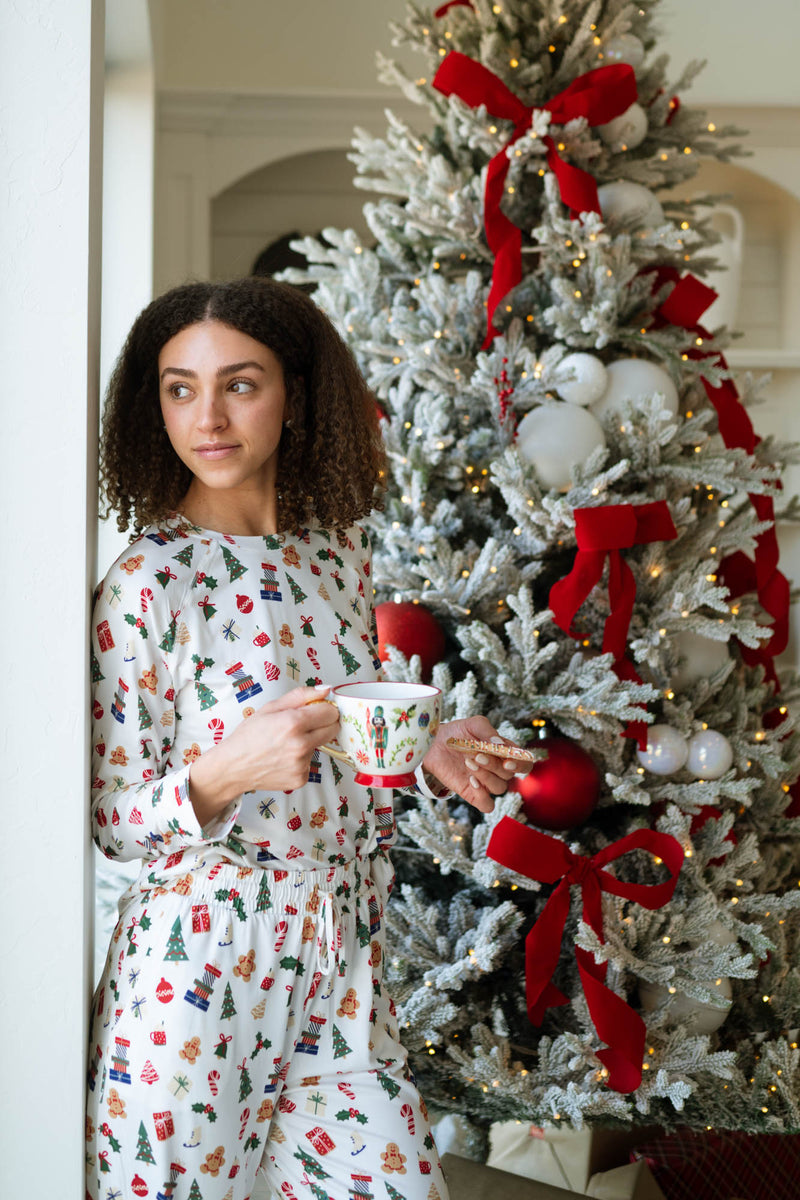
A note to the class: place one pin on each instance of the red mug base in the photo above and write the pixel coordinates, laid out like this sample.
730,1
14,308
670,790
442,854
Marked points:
408,779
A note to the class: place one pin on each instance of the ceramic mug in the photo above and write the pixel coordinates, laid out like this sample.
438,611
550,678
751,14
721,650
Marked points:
385,730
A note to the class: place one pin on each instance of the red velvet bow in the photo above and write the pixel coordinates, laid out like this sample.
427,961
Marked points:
538,856
599,96
601,533
684,306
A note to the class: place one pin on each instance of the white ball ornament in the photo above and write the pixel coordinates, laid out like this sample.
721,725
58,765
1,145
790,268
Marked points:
627,130
696,1016
710,755
635,379
581,378
554,438
626,48
666,750
623,200
701,657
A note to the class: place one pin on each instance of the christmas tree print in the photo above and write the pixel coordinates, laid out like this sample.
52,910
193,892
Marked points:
145,720
340,1046
176,950
184,556
393,1192
194,1191
297,592
264,897
228,1007
351,663
388,1084
144,1151
311,1165
236,569
167,643
245,1086
205,695
97,674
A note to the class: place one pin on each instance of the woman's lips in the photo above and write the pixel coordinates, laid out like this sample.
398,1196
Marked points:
212,452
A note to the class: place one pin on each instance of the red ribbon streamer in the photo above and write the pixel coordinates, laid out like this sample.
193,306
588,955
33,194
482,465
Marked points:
599,96
683,307
445,8
547,859
601,533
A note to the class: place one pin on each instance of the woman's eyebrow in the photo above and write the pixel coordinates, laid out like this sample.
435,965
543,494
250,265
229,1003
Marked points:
228,370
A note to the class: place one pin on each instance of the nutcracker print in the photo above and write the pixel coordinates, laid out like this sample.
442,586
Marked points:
269,582
309,1039
118,703
243,683
378,733
203,989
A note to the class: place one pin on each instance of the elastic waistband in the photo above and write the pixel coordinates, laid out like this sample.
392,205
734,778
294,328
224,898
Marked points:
254,889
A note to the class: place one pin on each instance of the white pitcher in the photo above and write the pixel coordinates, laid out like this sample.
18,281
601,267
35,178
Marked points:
728,222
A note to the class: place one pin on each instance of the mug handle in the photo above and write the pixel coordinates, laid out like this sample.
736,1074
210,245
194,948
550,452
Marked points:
335,752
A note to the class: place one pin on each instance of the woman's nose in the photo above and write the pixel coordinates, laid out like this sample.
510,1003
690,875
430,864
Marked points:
212,411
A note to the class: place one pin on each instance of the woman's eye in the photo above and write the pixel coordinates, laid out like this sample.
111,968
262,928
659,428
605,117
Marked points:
241,386
179,391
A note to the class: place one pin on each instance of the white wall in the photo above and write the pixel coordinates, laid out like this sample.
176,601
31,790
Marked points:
50,155
271,45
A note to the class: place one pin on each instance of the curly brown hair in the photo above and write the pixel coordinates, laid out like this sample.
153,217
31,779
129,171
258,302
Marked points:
331,460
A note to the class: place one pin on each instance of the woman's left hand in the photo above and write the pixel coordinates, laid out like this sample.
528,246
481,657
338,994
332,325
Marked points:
479,778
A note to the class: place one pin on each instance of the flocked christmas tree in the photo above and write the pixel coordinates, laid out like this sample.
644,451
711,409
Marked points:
579,499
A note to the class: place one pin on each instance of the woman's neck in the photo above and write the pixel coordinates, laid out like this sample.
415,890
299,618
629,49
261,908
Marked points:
248,515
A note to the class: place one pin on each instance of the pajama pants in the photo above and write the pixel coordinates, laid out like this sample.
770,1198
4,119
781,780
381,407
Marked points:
241,1023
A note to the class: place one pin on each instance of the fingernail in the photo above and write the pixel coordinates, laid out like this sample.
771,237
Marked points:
495,739
468,762
509,764
473,782
483,759
322,687
520,774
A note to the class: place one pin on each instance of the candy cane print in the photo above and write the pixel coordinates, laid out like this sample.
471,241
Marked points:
282,928
215,870
408,1112
213,1082
217,727
286,1188
245,1119
310,651
348,1091
145,597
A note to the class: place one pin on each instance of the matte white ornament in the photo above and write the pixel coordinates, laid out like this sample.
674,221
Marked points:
581,378
701,658
554,438
710,755
666,750
635,379
718,934
696,1016
623,200
627,130
626,48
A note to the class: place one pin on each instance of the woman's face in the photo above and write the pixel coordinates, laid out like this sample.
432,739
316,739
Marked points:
223,401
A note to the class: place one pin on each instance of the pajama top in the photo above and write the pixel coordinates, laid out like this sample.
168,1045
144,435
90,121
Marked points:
194,630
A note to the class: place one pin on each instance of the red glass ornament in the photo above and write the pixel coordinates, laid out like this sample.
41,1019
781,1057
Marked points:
562,790
413,629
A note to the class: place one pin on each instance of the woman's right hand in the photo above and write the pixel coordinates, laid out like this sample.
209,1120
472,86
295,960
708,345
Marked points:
270,751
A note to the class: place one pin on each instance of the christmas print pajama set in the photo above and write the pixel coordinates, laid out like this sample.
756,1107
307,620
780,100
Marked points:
241,1020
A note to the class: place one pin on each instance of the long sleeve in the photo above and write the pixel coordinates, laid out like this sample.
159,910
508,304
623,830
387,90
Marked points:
140,803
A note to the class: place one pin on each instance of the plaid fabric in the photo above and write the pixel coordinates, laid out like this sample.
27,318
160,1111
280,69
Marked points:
689,1165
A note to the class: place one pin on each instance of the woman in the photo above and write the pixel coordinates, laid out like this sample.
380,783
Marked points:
241,1020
